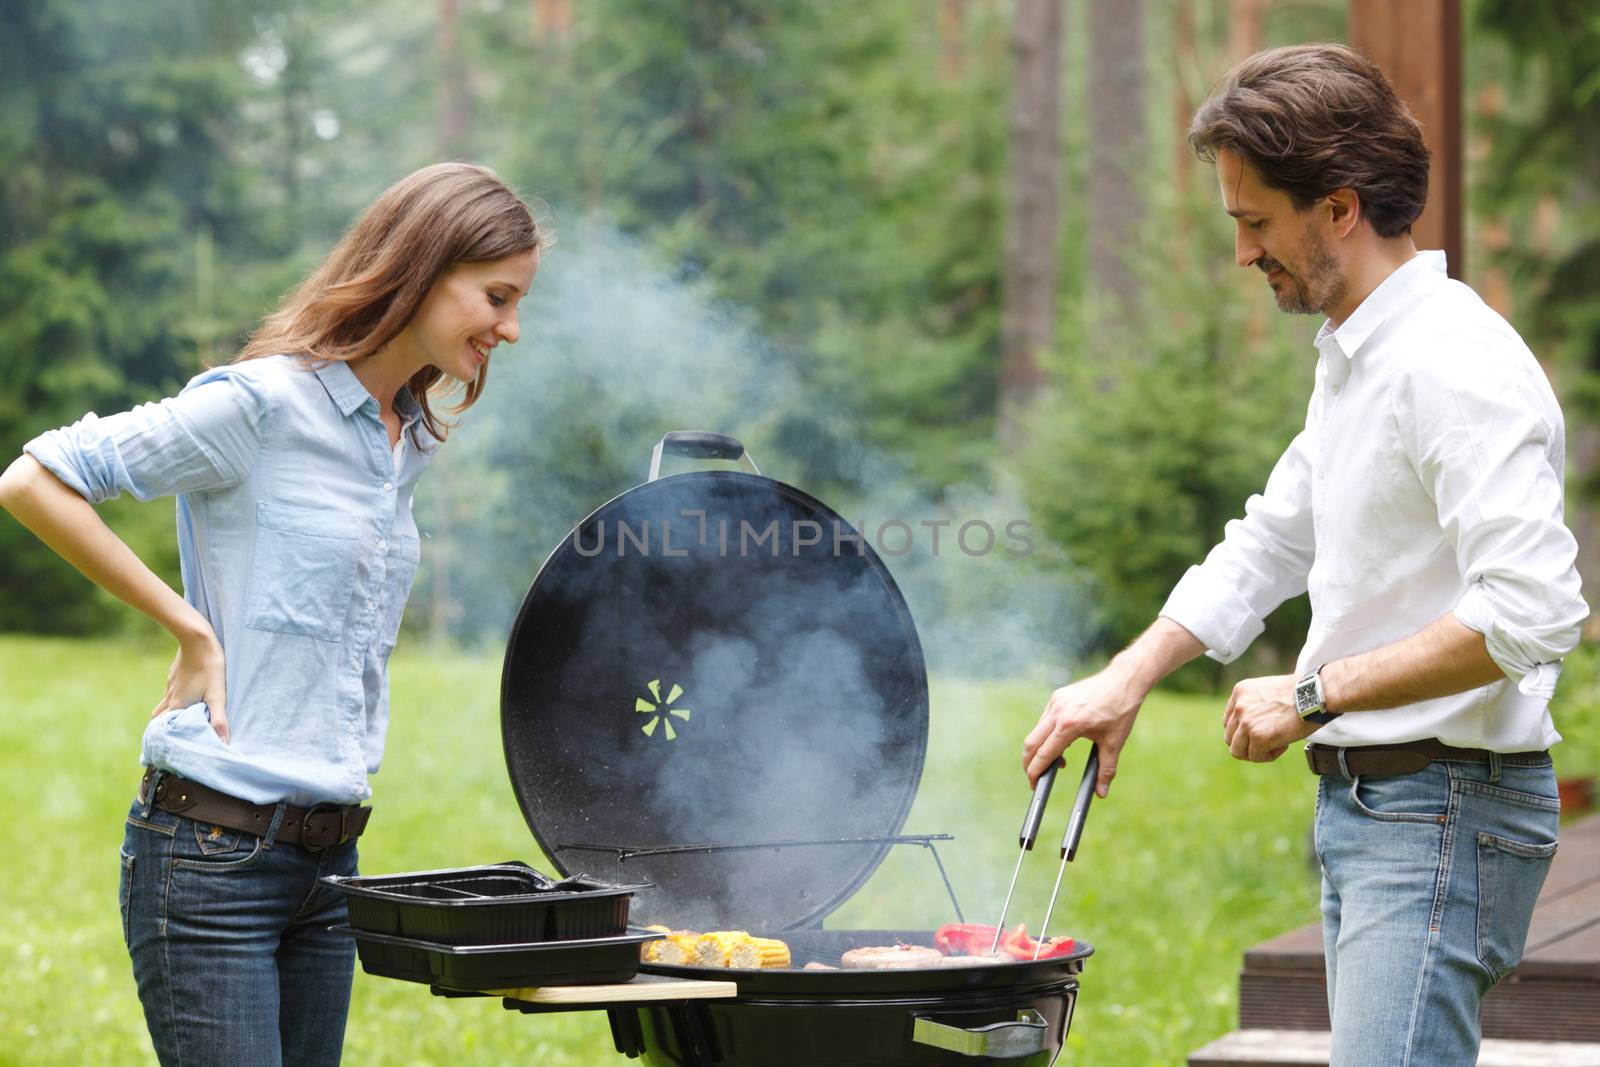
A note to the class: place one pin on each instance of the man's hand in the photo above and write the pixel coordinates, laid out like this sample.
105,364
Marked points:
1101,707
1260,722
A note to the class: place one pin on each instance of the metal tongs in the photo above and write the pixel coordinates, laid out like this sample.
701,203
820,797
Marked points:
1069,840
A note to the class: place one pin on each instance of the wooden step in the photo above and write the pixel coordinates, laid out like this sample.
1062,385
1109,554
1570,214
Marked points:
1554,993
1303,1048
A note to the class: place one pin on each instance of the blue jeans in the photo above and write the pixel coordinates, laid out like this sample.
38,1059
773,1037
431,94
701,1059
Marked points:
230,944
1428,886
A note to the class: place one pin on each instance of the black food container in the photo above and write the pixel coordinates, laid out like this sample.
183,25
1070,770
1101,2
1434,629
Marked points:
476,968
498,904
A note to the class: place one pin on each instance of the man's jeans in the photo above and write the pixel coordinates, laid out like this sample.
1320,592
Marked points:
1428,885
230,944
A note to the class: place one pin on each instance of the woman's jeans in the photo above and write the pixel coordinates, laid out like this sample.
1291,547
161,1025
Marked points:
230,943
1428,885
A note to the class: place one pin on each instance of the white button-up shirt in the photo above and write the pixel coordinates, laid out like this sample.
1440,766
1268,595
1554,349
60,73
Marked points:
1428,479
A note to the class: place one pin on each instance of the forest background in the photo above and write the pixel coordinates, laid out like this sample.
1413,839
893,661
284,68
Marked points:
792,220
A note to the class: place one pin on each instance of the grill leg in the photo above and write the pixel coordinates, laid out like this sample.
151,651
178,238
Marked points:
626,1033
697,1037
1066,1024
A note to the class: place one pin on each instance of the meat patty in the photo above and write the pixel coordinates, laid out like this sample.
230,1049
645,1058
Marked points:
892,957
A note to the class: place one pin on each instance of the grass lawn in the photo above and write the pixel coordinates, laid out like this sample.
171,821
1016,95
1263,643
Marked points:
1193,858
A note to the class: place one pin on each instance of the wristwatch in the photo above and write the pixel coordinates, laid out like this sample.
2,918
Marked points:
1308,700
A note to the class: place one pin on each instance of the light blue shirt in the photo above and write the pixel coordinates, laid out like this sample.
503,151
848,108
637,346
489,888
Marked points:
297,544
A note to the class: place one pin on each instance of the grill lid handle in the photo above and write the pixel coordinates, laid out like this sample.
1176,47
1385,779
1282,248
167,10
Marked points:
700,444
1001,1041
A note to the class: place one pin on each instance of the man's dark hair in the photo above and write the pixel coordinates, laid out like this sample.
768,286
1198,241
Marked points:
1310,119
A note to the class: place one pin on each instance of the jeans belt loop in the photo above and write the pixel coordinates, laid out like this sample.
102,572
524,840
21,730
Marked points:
1494,766
150,797
1344,768
272,827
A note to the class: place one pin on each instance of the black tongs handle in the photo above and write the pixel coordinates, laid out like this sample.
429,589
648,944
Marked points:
1080,805
1035,816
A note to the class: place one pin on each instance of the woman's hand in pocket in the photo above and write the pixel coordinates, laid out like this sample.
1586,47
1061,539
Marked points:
199,674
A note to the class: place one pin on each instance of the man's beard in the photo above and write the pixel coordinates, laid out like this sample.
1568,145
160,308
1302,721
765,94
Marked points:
1316,288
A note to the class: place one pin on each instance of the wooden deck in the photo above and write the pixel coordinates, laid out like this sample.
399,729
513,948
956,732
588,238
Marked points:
1552,996
1309,1048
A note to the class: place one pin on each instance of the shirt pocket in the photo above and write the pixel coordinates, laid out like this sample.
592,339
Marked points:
303,577
402,572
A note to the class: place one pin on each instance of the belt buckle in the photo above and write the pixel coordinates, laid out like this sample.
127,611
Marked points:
305,826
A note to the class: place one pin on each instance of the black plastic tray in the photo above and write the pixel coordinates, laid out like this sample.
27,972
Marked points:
498,904
479,967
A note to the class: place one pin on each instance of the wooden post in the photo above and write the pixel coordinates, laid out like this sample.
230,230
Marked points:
1418,45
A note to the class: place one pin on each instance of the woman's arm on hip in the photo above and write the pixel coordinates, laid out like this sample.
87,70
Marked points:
67,522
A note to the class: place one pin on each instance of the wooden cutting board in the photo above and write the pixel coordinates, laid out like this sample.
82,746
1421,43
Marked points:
644,987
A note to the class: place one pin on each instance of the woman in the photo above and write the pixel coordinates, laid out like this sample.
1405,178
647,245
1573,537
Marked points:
293,468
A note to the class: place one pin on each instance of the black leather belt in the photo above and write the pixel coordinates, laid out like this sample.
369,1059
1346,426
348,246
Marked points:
1409,757
315,828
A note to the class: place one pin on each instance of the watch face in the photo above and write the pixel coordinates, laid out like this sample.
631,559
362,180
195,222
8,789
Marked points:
1305,697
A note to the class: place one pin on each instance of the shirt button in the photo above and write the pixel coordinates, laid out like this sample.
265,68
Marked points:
382,545
388,486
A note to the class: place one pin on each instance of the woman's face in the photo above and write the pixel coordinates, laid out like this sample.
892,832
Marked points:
469,310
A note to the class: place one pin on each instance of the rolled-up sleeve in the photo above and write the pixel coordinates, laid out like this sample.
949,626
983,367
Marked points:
1486,440
207,437
1262,560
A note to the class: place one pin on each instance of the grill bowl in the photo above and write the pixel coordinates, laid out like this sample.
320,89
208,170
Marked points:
933,1017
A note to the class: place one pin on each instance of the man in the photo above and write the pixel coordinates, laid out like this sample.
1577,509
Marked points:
1422,508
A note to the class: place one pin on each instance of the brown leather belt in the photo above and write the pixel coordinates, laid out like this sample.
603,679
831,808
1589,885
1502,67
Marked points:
1409,757
316,828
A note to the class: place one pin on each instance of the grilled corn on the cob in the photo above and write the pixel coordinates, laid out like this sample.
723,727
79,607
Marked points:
771,952
676,948
720,948
726,948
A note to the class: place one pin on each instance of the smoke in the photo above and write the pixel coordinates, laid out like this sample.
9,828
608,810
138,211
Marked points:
616,350
790,735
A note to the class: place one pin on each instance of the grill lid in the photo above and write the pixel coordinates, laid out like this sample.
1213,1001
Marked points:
695,664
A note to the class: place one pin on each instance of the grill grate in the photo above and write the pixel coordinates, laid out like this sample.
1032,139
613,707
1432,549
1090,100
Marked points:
623,853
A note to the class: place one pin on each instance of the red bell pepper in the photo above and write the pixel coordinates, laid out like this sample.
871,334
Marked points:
964,939
1019,946
976,939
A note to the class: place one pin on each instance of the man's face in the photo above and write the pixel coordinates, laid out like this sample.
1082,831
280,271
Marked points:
1290,247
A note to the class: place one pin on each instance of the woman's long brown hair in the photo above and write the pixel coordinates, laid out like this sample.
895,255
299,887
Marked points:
376,277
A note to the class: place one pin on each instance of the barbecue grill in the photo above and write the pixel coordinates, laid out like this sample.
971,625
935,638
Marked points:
714,686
